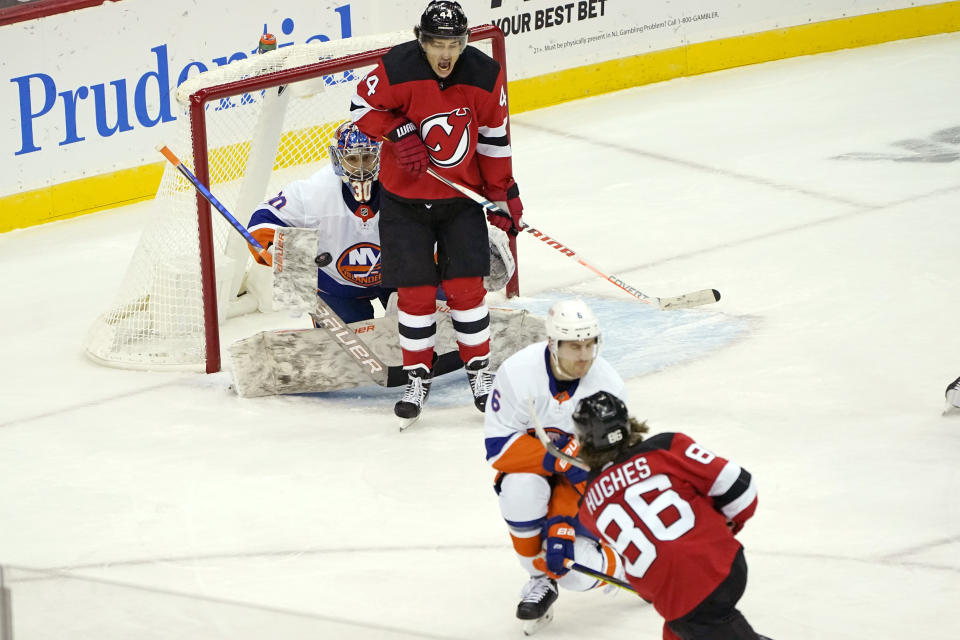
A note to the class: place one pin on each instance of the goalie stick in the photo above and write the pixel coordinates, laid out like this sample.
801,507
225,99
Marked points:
199,186
323,315
687,300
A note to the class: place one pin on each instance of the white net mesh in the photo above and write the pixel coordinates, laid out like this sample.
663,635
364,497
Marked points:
256,142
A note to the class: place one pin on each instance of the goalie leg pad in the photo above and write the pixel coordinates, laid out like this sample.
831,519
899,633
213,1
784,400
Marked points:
349,309
307,361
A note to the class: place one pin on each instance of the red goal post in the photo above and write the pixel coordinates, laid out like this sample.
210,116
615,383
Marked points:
159,321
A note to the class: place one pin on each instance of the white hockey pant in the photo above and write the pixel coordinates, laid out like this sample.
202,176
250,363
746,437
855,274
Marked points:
524,499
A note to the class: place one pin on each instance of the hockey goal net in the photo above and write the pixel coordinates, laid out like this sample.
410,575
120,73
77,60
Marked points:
245,130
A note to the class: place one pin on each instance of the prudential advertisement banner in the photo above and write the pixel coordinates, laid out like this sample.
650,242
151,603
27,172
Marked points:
90,92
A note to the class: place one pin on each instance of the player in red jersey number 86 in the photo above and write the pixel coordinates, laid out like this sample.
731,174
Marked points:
671,509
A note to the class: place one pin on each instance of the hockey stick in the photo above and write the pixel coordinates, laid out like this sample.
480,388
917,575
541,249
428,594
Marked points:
599,575
687,300
199,186
548,443
573,565
324,316
479,199
577,462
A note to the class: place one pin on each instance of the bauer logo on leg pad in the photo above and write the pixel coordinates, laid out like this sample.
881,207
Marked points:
345,336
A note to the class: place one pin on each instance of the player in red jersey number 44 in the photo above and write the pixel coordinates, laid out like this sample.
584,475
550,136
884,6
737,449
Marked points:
671,509
442,105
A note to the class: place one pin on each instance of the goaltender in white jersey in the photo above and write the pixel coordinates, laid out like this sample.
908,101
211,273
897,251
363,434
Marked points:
539,494
342,201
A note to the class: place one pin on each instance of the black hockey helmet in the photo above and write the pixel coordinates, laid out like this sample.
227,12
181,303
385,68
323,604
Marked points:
443,19
602,421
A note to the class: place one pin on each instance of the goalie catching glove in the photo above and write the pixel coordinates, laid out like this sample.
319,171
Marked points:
509,202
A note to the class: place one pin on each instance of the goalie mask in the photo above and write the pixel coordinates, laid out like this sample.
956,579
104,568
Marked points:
356,159
573,335
602,422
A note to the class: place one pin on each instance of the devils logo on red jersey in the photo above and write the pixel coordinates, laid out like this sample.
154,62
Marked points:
447,136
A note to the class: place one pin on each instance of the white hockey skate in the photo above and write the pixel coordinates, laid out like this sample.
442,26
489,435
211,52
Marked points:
536,604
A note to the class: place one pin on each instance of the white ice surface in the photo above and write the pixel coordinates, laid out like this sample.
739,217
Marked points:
820,195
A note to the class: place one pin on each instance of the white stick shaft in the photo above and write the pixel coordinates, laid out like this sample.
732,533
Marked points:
470,193
692,299
548,443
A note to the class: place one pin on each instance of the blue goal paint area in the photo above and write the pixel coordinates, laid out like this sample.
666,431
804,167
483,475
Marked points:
637,340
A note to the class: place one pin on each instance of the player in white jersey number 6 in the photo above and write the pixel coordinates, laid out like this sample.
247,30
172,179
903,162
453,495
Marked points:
538,494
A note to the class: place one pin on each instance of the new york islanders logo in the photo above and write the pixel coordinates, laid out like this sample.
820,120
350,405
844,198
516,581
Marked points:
447,136
360,264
